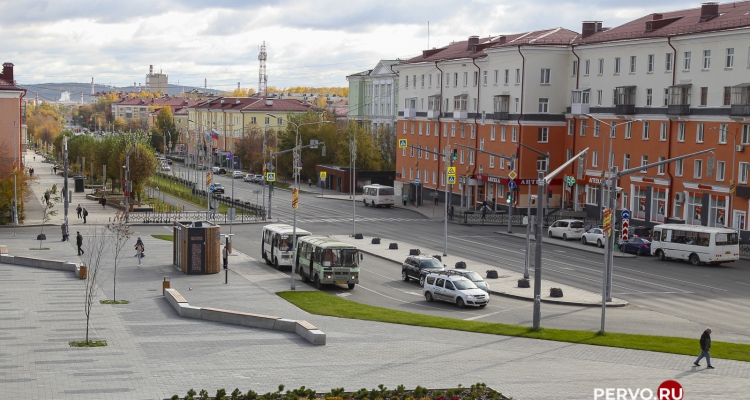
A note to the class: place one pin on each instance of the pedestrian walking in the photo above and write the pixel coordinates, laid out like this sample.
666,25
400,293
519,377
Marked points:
484,212
64,229
78,211
139,248
450,213
79,243
34,158
405,198
705,347
54,169
46,197
309,182
104,201
85,214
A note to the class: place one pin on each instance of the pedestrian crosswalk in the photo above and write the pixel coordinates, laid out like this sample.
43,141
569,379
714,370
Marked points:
299,220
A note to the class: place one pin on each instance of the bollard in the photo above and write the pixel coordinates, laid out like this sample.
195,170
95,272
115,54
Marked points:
83,272
165,285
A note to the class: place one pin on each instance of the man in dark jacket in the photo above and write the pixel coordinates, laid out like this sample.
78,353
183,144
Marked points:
705,347
79,243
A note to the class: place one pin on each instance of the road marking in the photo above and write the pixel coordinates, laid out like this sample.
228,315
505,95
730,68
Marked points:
343,294
741,283
481,316
655,293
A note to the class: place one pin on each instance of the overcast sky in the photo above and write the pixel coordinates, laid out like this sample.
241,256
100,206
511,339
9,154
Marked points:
309,43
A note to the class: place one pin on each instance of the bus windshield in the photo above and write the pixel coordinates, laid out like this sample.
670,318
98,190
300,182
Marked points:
726,239
340,258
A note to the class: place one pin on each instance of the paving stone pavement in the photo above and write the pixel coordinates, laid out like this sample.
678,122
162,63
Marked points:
153,353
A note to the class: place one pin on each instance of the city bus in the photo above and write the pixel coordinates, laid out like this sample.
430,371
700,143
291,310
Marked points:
276,246
378,195
695,243
327,261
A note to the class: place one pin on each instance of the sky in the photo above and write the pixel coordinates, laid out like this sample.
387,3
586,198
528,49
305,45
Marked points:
309,43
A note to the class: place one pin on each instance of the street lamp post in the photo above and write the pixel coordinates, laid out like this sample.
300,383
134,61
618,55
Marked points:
296,168
207,153
732,183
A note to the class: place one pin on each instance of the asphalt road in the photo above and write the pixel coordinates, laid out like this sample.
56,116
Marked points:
666,295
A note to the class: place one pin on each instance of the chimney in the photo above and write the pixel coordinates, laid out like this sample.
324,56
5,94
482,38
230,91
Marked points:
150,69
709,11
502,39
238,101
590,27
657,16
473,41
269,102
8,72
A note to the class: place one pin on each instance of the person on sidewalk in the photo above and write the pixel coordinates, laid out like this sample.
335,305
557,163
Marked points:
79,243
450,213
64,229
405,198
705,347
79,210
85,214
484,212
54,169
104,201
46,198
139,248
309,182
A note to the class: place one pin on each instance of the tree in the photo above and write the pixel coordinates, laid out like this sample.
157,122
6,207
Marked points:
22,186
385,141
242,92
120,124
166,127
97,249
369,156
49,199
120,231
142,166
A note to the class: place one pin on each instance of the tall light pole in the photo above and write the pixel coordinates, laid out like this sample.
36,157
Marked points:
732,188
207,153
296,168
353,173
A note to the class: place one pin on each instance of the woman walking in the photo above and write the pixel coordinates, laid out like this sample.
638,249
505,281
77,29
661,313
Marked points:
139,248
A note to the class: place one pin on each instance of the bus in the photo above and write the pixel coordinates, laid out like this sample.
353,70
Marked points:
695,243
377,195
276,246
327,261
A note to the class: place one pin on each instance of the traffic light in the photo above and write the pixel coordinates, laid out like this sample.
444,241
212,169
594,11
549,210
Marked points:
518,152
455,154
509,197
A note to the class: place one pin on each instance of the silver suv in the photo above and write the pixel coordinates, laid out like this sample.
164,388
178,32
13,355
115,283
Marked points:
454,289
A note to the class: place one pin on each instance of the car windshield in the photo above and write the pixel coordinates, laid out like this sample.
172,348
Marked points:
473,276
576,224
464,284
433,263
482,285
218,185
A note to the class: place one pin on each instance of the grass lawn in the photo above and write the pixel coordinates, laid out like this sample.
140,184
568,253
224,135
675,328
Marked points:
324,304
185,193
168,238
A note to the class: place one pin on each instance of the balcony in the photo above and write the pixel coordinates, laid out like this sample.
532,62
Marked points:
502,116
740,110
624,109
410,112
579,101
678,109
433,113
410,107
459,106
579,108
740,100
460,114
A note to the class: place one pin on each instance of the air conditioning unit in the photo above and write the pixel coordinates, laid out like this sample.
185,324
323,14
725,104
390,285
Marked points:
679,197
739,148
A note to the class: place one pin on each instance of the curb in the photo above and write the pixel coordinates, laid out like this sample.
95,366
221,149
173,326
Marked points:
615,254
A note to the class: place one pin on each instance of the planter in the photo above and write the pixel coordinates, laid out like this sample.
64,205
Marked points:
524,283
393,246
41,237
460,265
414,252
555,292
491,274
375,240
358,236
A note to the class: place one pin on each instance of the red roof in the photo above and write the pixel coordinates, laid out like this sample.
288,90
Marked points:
681,22
5,85
158,102
278,105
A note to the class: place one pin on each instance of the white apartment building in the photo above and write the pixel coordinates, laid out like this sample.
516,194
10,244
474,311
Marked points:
373,96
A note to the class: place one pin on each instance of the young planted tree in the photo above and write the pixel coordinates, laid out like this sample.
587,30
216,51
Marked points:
120,231
49,200
96,253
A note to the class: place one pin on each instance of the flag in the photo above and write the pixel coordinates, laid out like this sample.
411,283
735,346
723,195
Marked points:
214,134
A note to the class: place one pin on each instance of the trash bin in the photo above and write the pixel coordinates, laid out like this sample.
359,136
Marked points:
79,184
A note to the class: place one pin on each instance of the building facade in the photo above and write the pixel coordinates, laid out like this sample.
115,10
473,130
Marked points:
373,96
661,86
12,137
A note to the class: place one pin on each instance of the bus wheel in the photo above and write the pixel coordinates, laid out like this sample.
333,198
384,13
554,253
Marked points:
388,206
303,275
661,255
318,285
351,286
364,202
267,260
694,259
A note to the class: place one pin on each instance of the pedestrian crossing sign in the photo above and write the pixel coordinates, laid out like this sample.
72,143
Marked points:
451,179
402,143
270,177
451,170
323,174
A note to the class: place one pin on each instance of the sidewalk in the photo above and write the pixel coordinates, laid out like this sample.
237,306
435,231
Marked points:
505,285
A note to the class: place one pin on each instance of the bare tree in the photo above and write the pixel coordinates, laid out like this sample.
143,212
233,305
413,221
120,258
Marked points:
49,199
98,248
121,232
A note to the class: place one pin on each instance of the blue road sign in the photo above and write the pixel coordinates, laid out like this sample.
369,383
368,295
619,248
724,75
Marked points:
625,214
511,184
211,188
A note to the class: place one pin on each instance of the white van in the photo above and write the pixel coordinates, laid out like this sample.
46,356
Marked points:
378,195
454,289
277,244
695,243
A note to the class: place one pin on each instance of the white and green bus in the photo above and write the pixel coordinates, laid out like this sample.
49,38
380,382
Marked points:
277,245
327,261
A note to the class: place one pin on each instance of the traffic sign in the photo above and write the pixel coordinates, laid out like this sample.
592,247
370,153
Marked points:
212,188
214,204
512,175
451,170
231,213
295,198
270,177
208,179
402,143
625,214
625,228
451,179
511,184
607,221
323,174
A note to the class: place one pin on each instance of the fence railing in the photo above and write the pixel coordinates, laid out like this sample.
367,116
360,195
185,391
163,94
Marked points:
475,218
240,205
745,249
189,216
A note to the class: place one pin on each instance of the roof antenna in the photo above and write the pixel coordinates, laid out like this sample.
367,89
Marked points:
428,34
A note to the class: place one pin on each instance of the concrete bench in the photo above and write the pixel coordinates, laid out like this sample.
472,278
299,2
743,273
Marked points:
38,263
238,318
3,249
310,332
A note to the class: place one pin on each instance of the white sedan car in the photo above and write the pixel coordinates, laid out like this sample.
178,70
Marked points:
593,236
249,178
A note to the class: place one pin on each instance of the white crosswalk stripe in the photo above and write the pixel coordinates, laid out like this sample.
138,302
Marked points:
358,220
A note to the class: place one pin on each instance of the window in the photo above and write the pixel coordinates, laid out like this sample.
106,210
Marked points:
568,154
600,71
661,168
650,63
644,161
471,158
435,153
730,58
422,81
639,202
412,127
646,129
617,65
497,76
745,134
583,127
442,179
597,128
455,79
706,59
613,131
598,97
699,133
658,204
592,194
575,68
541,163
419,152
571,128
686,65
628,130
704,96
253,120
492,161
698,169
492,133
514,134
744,167
466,79
414,80
543,105
434,177
438,76
427,129
720,170
463,131
595,158
502,163
666,97
420,127
681,132
429,80
727,96
403,171
453,130
542,135
668,62
447,80
626,161
472,132
518,76
475,81
649,96
723,133
632,64
586,66
678,167
502,133
411,170
461,158
484,78
445,130
515,103
663,132
545,76
407,82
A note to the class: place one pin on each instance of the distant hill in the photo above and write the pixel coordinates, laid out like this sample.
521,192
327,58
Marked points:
54,91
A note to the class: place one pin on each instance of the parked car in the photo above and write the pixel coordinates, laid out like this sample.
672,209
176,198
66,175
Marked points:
417,267
454,289
201,167
218,170
218,188
249,178
472,276
639,246
165,167
237,174
640,231
259,179
169,162
566,229
593,236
